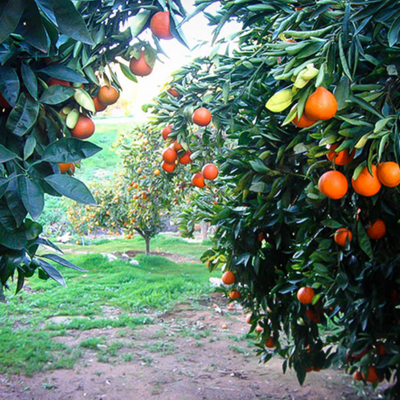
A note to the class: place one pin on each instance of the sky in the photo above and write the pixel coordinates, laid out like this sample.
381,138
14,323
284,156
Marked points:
196,31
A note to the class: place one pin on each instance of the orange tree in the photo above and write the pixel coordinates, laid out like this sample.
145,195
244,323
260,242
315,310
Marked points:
55,55
142,195
308,222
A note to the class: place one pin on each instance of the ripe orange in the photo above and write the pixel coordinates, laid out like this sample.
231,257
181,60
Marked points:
140,67
366,184
160,25
198,180
3,102
177,146
333,184
341,236
321,105
270,343
108,95
389,174
185,159
248,319
371,375
303,122
313,316
84,128
357,376
210,171
381,349
259,329
342,157
168,167
305,295
228,278
97,105
156,172
55,81
202,116
64,167
235,294
166,131
377,230
169,155
260,236
173,92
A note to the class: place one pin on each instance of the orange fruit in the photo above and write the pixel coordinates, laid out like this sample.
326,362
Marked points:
84,128
108,95
381,349
64,167
260,236
3,102
160,25
371,375
185,159
202,116
377,230
156,172
305,295
389,174
169,155
210,171
198,180
259,329
342,157
55,81
270,343
341,236
357,376
228,278
303,122
97,105
235,294
140,67
312,316
168,167
321,105
166,131
366,184
173,92
177,146
333,184
248,319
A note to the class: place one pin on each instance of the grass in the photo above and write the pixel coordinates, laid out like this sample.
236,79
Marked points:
109,295
161,243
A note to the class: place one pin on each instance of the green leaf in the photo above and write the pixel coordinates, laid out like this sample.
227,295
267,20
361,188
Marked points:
29,147
32,196
69,150
51,271
225,91
331,223
6,155
363,240
366,106
381,124
30,80
139,22
343,60
9,84
300,34
83,99
70,21
259,166
62,261
70,187
127,72
72,118
56,94
342,93
393,34
10,16
23,116
64,73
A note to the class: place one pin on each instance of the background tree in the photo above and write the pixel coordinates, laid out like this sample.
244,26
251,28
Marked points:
275,229
54,55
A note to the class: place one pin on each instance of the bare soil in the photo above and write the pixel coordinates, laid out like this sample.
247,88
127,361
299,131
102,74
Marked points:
186,354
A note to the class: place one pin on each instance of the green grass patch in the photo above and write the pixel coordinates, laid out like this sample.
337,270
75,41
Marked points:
108,295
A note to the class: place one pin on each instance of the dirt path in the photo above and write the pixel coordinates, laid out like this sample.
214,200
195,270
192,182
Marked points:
184,355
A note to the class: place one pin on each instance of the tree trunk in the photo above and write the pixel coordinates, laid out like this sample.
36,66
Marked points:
2,297
147,240
204,229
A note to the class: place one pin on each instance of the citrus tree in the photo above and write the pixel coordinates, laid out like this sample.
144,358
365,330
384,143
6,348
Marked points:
304,130
142,195
57,68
